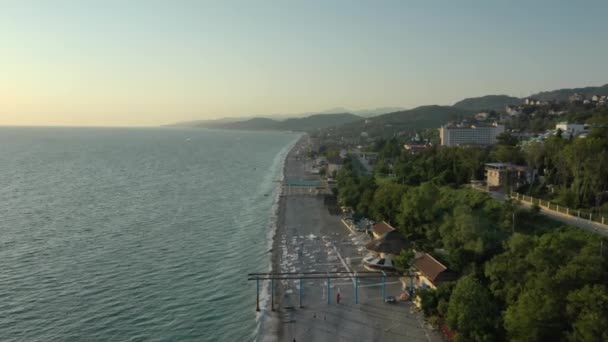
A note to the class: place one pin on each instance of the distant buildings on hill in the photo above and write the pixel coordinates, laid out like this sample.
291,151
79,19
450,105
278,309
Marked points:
416,148
469,134
571,130
499,175
599,100
566,131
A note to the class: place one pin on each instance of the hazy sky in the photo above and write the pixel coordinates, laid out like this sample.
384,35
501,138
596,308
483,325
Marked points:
154,62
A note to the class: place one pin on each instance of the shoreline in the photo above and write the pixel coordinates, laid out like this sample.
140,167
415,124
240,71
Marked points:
276,328
311,237
268,327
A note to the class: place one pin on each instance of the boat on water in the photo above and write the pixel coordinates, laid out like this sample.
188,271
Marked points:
374,263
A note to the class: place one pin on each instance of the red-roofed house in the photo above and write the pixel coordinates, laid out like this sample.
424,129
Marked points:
430,272
381,228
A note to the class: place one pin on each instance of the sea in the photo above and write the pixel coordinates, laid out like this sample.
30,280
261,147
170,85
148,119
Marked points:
135,234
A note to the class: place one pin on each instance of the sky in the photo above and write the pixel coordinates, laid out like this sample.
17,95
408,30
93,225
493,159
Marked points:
147,63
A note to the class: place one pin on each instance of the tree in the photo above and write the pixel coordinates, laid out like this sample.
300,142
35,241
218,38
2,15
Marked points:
536,315
506,139
535,276
507,154
386,201
404,260
508,271
472,312
469,237
534,154
587,160
418,211
587,308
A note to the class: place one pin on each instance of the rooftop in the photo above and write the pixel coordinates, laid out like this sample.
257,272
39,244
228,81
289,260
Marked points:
391,243
382,228
431,268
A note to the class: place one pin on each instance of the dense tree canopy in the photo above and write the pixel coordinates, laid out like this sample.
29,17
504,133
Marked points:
472,312
523,277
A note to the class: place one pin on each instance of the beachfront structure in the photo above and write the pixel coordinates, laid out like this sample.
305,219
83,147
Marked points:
499,175
465,134
571,130
386,248
381,228
427,272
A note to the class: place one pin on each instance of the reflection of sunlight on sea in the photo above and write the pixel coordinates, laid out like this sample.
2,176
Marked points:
115,234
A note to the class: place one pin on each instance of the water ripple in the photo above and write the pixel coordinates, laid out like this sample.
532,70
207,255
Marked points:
132,234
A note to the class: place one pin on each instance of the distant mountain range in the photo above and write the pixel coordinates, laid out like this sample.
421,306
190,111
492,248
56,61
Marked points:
488,102
498,102
411,120
305,124
563,94
366,113
386,121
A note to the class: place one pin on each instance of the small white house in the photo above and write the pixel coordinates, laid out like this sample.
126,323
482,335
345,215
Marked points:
571,130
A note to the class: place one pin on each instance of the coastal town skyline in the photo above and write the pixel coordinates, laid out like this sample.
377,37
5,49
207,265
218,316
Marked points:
153,63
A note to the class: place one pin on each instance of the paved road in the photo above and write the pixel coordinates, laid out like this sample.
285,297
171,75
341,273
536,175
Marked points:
593,227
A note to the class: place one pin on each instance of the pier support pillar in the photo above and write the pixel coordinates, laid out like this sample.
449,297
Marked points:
356,289
257,297
383,286
300,293
272,294
328,294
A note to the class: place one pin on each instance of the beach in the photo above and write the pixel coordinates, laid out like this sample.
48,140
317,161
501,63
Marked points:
311,237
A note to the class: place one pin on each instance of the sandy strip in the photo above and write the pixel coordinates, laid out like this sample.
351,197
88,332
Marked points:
309,238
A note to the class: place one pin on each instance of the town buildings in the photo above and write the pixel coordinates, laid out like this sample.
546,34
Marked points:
469,134
571,130
500,175
381,228
416,148
427,272
334,164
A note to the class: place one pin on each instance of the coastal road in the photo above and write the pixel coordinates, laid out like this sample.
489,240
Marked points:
591,226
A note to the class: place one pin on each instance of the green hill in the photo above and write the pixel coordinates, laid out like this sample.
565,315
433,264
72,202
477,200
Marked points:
407,121
306,124
488,102
317,121
251,124
563,94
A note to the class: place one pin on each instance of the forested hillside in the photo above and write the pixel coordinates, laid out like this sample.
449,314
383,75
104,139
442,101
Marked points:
488,102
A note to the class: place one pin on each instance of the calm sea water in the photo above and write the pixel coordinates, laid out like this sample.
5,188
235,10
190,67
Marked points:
134,234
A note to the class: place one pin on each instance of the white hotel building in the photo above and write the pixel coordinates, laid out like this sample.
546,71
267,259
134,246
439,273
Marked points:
459,134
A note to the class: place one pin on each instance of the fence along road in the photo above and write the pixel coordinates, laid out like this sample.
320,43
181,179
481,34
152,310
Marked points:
557,213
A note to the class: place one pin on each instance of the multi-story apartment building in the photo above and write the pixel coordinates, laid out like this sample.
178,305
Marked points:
463,134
